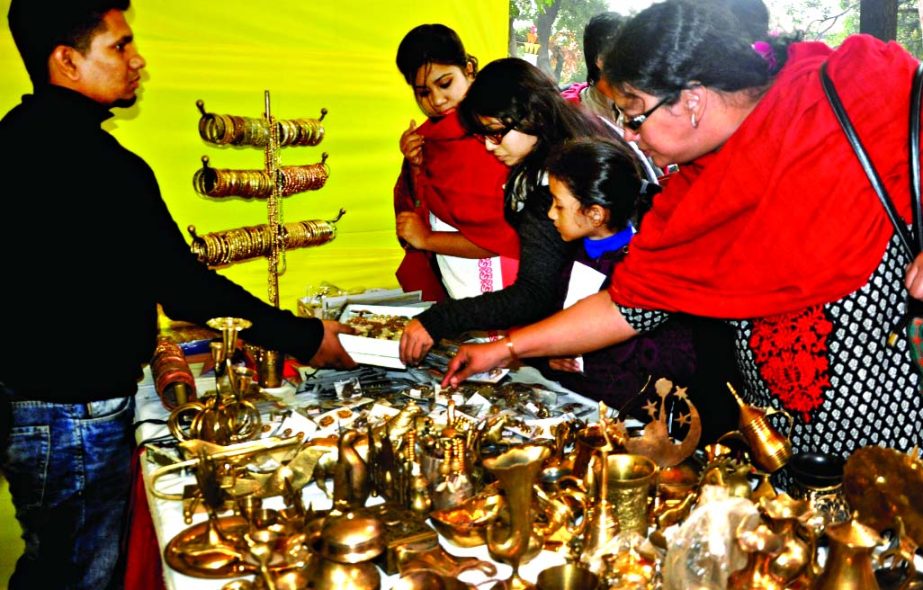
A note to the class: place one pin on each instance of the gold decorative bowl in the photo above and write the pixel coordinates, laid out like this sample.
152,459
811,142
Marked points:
465,525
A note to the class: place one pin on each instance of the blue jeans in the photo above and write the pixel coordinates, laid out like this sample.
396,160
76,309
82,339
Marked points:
69,470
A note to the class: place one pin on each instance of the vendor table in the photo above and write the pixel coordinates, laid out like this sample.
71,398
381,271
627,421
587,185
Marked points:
167,515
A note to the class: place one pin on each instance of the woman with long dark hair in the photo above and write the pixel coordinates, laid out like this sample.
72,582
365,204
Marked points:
449,198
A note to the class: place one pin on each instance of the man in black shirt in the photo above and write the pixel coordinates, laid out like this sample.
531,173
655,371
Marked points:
91,240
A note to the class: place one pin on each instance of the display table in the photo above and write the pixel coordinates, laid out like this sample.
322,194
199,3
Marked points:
167,516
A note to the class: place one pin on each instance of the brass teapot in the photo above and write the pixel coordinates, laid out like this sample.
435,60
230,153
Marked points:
769,450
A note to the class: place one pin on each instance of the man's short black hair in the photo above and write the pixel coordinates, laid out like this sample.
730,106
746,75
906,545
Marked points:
38,28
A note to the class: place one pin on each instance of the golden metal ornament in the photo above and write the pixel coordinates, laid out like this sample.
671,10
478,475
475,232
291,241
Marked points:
769,449
209,549
465,525
513,540
655,442
882,484
431,556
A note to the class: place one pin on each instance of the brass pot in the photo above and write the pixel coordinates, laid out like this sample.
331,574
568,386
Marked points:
352,538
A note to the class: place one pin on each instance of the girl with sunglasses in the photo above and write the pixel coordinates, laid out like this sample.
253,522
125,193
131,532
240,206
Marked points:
521,116
449,197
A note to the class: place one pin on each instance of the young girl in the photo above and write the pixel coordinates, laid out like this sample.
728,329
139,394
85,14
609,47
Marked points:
449,198
521,116
594,189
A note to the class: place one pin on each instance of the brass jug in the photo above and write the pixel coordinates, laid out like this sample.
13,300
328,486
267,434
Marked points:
795,561
512,538
763,546
770,450
849,561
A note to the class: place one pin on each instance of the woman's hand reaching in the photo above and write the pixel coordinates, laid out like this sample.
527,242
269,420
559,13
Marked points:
476,358
415,343
913,279
566,364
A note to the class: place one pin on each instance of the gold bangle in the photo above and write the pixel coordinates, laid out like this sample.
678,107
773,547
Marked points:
509,346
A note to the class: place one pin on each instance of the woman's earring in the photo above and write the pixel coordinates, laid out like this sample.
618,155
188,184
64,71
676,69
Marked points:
695,124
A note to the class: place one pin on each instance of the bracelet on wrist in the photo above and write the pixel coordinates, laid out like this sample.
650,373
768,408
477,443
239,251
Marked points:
509,346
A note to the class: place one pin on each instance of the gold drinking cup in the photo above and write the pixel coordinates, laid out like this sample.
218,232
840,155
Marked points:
629,479
271,368
569,576
589,442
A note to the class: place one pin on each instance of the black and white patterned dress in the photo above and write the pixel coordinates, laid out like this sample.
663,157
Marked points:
830,366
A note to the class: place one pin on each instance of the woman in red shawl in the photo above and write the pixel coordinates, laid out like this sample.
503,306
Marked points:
770,223
448,200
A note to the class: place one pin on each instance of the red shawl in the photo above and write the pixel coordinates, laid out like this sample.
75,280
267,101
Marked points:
462,184
417,271
782,216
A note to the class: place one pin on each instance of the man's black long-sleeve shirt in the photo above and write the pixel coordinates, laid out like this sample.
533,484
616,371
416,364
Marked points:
87,250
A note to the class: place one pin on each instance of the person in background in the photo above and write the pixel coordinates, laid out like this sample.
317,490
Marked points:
713,340
449,197
520,113
770,223
596,95
93,249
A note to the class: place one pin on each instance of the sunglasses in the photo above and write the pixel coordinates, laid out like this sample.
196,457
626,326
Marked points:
495,136
634,123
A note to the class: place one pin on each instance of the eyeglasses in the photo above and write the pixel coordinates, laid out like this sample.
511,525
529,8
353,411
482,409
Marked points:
495,136
634,123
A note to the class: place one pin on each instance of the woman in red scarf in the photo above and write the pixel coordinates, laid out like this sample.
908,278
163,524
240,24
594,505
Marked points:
448,200
770,223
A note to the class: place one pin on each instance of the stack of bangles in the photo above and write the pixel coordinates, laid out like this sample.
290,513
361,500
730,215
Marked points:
173,379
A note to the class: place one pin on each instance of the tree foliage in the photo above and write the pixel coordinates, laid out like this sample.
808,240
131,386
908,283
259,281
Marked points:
558,26
559,29
831,22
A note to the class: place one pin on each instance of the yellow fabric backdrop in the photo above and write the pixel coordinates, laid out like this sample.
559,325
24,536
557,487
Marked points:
309,54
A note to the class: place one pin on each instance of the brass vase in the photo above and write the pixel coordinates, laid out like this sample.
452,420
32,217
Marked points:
849,561
628,484
512,538
818,479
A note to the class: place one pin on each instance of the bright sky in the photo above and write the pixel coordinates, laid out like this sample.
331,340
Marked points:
629,6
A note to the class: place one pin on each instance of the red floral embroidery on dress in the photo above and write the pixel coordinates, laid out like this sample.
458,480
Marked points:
791,354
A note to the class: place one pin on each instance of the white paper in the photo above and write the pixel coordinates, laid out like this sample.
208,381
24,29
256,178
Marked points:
584,281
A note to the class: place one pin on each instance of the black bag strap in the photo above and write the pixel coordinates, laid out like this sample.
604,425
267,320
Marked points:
912,242
916,94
